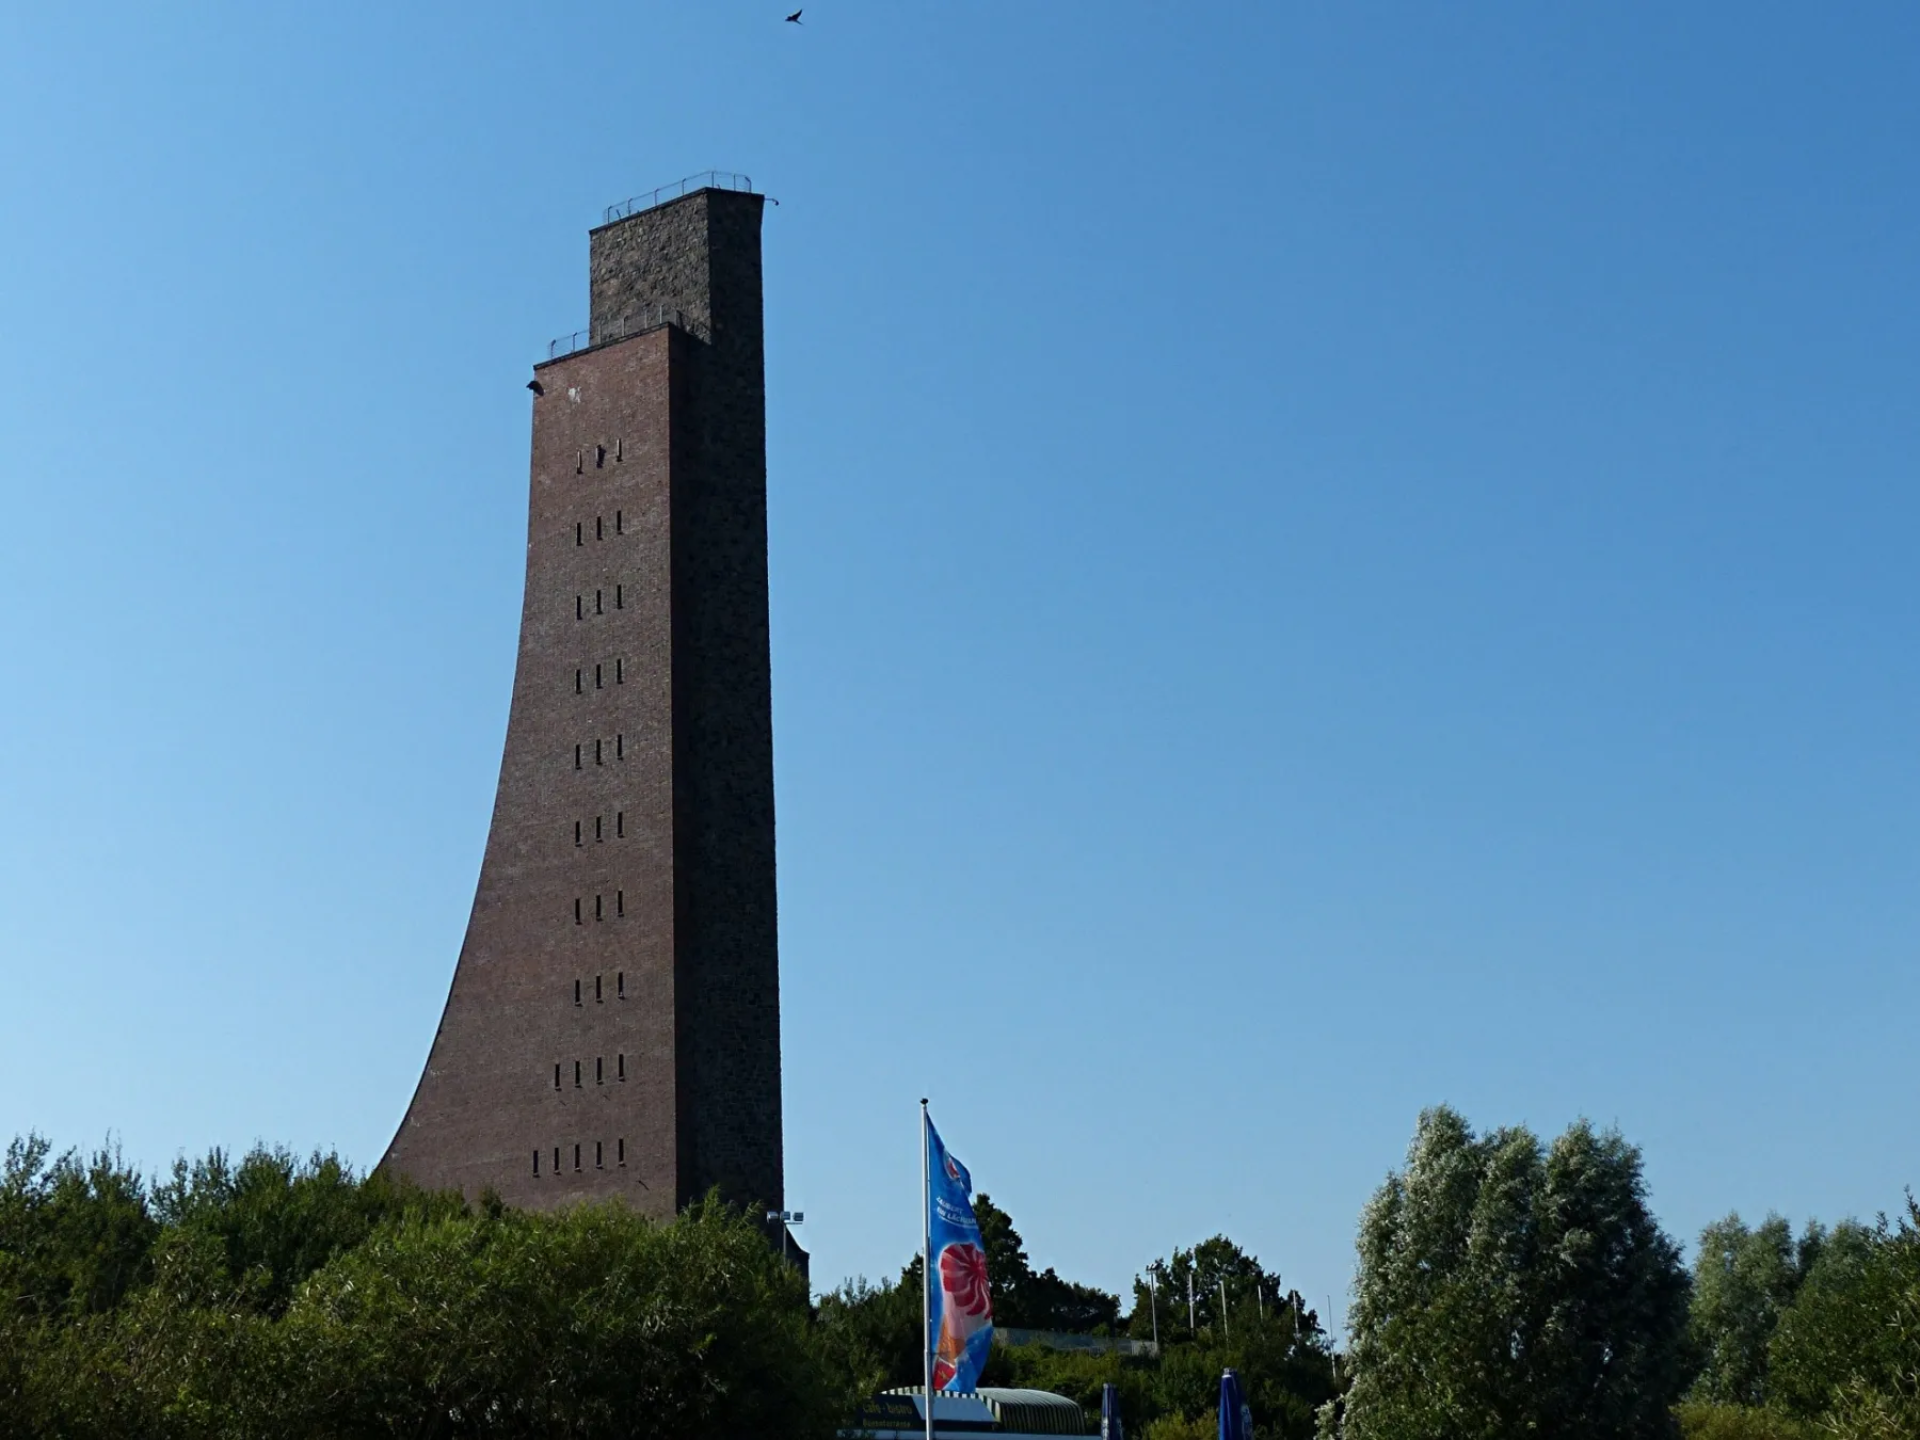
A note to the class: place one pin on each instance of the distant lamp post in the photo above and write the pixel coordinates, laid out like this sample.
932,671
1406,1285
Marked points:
785,1218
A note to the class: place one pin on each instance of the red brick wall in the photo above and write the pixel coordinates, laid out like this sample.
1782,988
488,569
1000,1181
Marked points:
598,616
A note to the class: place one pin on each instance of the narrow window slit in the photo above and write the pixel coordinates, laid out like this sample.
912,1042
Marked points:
596,990
579,607
598,1163
620,1150
619,523
599,456
596,829
596,752
620,1066
598,913
579,533
576,834
556,1074
579,687
620,988
576,1157
576,984
576,757
576,1074
619,672
620,745
536,1164
598,607
619,907
599,1070
599,528
576,920
618,602
597,682
619,824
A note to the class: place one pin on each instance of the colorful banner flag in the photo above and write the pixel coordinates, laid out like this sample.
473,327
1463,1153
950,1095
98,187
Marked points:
960,1323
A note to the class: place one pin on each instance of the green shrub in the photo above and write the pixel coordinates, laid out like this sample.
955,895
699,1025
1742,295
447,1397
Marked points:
1739,1422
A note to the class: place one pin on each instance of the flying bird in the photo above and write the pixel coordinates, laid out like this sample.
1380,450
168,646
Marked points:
536,387
794,18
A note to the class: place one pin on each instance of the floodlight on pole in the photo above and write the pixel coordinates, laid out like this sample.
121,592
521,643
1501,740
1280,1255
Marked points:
785,1218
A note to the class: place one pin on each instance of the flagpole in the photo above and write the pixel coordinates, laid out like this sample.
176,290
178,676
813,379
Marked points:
926,1267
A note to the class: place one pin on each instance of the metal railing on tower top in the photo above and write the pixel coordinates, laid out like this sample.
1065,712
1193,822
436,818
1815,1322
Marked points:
646,317
705,180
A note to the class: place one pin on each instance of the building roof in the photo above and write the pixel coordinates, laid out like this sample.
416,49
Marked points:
1025,1412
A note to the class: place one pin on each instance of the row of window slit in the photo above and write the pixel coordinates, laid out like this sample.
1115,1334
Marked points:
599,1071
599,602
599,991
599,456
600,751
599,907
599,1156
599,527
619,824
600,828
599,677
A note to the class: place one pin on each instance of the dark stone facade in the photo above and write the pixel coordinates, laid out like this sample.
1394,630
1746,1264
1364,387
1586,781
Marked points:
613,1026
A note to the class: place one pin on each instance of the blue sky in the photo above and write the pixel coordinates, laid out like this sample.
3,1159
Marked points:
1326,559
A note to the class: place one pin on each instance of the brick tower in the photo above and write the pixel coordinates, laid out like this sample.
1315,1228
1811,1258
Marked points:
613,1026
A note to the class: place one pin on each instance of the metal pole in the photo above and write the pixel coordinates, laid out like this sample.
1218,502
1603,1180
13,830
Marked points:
926,1264
1191,1325
1225,1333
1153,1304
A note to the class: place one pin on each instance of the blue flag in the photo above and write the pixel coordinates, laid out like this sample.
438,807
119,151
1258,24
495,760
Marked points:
960,1324
1236,1420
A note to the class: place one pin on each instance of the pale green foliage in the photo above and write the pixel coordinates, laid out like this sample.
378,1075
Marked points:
1880,1399
1744,1280
1834,1332
1701,1420
1205,1426
1506,1290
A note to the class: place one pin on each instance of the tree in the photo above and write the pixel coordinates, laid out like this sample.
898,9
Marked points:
276,1219
1160,1293
590,1322
1024,1299
869,1336
1847,1353
74,1234
1505,1289
1881,1400
1744,1280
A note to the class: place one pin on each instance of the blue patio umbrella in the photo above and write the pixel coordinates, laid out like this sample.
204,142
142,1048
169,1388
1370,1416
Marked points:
1110,1412
1236,1420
